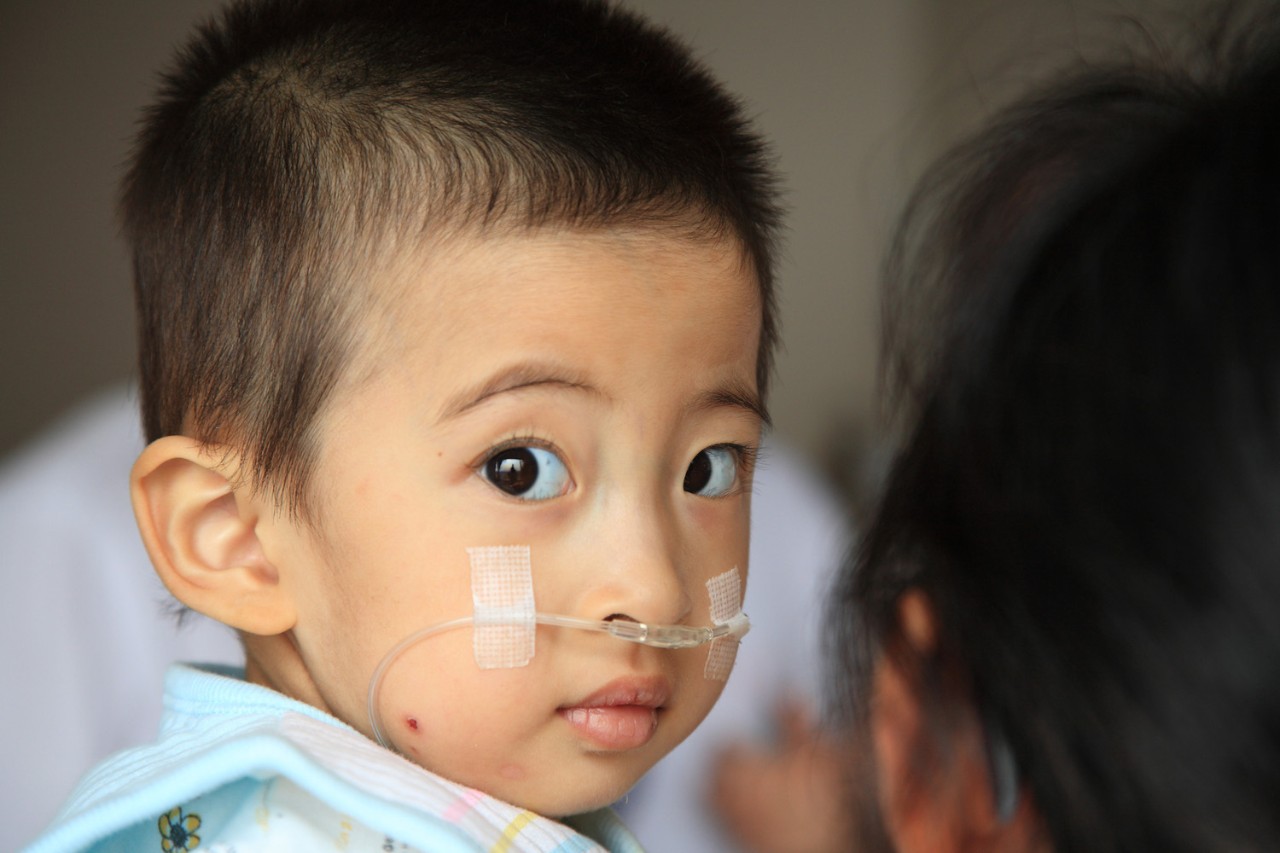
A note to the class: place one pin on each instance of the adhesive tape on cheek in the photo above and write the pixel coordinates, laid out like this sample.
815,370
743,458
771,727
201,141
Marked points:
505,616
726,602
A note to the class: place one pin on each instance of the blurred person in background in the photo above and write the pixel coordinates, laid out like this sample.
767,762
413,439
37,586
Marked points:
1061,631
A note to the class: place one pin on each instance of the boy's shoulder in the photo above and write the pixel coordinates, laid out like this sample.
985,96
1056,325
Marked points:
243,766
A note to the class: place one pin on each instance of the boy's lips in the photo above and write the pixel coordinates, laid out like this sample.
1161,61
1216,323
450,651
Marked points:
621,715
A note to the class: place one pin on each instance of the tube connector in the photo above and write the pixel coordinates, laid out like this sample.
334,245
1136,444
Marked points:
656,636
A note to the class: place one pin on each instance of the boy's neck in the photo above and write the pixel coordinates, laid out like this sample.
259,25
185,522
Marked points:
275,663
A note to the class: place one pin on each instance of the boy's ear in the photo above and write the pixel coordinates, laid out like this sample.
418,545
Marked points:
199,525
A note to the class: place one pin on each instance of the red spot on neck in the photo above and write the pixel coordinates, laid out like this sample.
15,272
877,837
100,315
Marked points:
413,723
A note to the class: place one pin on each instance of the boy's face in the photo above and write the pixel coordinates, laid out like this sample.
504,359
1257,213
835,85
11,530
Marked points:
586,394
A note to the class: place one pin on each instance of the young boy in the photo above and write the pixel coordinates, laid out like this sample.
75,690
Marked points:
446,308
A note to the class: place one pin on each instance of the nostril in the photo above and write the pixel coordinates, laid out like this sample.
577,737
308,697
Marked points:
622,617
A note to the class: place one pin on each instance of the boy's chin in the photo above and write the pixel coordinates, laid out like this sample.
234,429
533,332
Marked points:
563,794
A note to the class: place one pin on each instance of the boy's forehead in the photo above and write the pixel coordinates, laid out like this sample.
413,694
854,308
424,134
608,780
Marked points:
566,294
440,269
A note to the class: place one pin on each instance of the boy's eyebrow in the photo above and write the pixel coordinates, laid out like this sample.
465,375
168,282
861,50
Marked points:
529,374
522,375
737,395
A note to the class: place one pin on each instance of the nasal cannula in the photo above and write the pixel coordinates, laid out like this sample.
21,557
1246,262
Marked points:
657,636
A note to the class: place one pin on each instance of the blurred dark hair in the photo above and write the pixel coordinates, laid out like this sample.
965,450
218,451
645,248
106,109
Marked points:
1086,337
297,144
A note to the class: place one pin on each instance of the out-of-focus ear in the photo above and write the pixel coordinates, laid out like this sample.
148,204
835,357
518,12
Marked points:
915,812
200,527
958,795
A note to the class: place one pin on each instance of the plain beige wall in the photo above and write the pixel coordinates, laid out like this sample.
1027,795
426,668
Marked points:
73,75
856,94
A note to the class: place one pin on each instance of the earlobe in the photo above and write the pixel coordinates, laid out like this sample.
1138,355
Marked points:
200,529
919,623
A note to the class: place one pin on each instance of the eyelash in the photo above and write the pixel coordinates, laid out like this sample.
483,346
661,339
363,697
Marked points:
517,439
747,453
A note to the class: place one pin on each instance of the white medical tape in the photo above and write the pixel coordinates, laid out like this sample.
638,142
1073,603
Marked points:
726,602
505,616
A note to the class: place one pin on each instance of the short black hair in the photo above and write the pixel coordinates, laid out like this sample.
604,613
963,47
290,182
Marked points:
1089,486
293,138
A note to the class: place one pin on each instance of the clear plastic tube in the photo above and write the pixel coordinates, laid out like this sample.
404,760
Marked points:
657,636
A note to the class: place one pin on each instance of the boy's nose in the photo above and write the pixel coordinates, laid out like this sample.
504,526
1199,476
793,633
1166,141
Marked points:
641,577
655,597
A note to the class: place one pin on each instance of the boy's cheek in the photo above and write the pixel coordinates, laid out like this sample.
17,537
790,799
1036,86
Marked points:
485,519
727,539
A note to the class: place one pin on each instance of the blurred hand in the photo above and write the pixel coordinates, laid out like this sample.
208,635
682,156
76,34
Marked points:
790,798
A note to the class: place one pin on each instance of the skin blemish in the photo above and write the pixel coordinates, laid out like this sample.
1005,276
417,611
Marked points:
412,723
512,771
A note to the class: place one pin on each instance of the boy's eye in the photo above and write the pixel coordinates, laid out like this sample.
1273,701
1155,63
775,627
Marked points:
712,473
530,473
